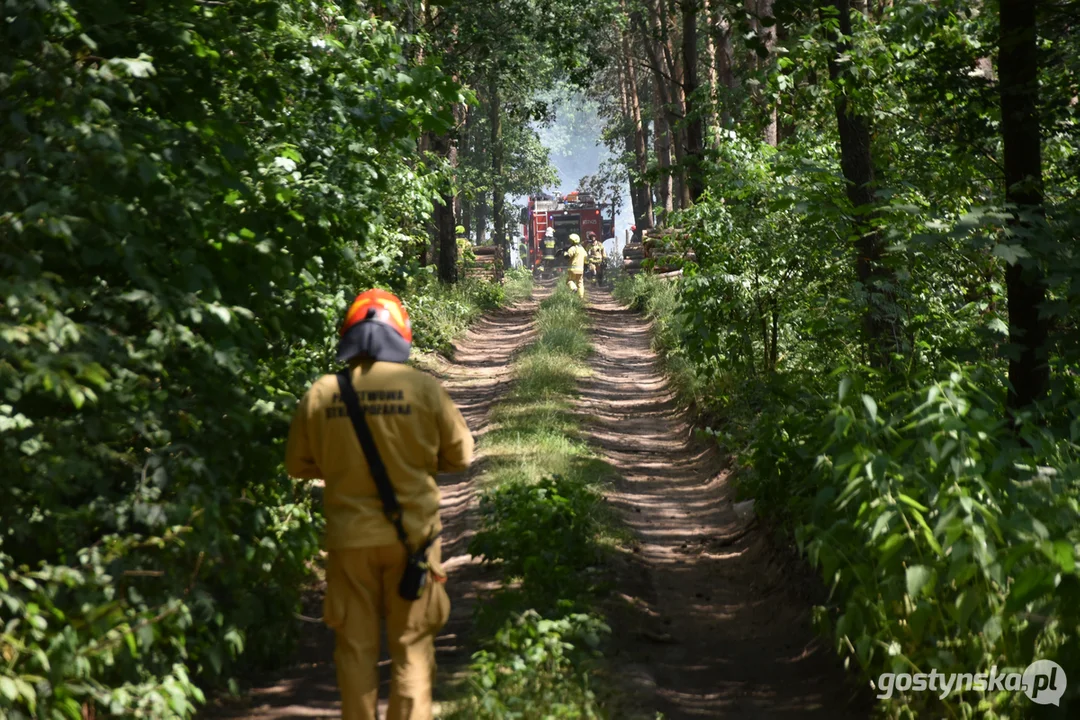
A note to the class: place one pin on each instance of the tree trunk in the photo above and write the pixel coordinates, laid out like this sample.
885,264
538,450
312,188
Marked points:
498,195
1018,66
662,148
640,196
723,62
628,142
881,322
467,217
711,76
669,76
695,132
758,10
768,37
445,238
662,135
481,220
641,144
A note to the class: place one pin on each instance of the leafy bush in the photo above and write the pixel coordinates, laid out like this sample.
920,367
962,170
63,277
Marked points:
537,669
659,300
440,313
189,194
948,543
543,534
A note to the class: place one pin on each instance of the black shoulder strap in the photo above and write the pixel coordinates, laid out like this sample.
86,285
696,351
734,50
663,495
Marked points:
391,507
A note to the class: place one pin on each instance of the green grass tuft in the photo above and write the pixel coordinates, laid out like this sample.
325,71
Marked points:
545,525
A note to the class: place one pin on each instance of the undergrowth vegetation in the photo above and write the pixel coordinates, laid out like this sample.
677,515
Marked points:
544,525
190,195
440,313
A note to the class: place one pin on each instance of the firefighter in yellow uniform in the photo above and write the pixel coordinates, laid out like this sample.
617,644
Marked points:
597,256
417,431
575,274
548,263
523,253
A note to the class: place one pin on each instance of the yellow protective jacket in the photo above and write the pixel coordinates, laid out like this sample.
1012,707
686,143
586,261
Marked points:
549,248
577,255
597,253
418,431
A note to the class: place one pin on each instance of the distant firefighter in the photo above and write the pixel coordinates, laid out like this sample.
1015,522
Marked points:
597,256
575,274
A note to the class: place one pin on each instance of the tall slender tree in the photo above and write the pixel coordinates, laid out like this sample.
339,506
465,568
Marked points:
881,320
695,126
766,26
1018,66
722,60
636,143
498,191
662,148
668,74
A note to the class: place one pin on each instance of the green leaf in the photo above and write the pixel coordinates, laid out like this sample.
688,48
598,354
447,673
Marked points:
912,502
1033,583
26,690
139,67
132,645
992,628
918,577
927,532
221,312
871,407
1010,253
1062,553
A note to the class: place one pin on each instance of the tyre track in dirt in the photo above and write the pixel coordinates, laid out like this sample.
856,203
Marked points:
476,379
709,622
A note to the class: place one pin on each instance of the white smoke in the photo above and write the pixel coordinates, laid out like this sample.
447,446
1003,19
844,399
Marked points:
574,139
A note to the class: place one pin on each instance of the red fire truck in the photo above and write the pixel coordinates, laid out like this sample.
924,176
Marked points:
574,213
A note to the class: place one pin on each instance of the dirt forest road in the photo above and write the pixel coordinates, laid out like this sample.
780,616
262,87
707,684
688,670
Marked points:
704,626
478,376
709,622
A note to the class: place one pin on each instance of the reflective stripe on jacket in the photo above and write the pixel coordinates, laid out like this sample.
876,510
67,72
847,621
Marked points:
577,254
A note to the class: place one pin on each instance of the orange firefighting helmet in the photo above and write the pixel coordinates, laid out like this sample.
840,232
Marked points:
376,327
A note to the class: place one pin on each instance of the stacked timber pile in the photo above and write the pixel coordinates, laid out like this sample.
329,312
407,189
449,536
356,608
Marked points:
633,256
484,266
661,252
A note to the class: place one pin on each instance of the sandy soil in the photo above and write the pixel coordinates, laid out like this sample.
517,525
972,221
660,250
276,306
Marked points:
704,627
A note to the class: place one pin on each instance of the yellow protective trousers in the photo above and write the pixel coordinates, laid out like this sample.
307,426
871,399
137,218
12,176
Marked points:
575,281
361,594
